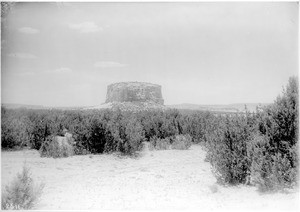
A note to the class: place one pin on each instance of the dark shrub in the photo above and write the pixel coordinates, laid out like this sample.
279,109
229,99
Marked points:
270,171
275,165
198,124
97,139
134,136
14,129
227,150
261,145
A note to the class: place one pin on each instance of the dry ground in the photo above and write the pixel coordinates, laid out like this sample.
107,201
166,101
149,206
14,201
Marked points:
170,179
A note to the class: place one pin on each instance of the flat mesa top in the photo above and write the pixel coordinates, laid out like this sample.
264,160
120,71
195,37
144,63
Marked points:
144,84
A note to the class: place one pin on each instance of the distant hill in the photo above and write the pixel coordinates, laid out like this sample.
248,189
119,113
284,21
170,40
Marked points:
15,106
230,108
37,107
240,107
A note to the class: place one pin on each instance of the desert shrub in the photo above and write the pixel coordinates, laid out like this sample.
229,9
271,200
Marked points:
22,193
227,149
39,127
261,166
171,124
274,153
160,144
270,171
182,142
262,145
79,149
114,131
197,125
127,133
51,148
14,129
78,124
97,138
7,136
134,136
161,124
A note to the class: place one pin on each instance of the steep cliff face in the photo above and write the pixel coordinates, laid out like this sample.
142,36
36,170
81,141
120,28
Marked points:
134,92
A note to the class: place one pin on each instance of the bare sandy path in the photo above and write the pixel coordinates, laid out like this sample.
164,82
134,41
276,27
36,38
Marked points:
170,179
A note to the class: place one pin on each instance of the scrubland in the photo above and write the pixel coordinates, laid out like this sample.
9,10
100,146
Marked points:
158,159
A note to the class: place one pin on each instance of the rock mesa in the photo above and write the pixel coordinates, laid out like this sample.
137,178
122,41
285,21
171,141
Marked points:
134,92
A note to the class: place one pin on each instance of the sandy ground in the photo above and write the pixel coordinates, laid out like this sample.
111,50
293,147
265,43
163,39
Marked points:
160,180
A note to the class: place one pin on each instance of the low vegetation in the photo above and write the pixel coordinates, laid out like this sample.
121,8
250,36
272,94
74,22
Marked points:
52,148
22,194
160,143
260,146
180,142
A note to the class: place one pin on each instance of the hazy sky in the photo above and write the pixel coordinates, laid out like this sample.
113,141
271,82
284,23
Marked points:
65,54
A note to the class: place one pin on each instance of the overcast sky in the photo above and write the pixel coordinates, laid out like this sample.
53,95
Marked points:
65,54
